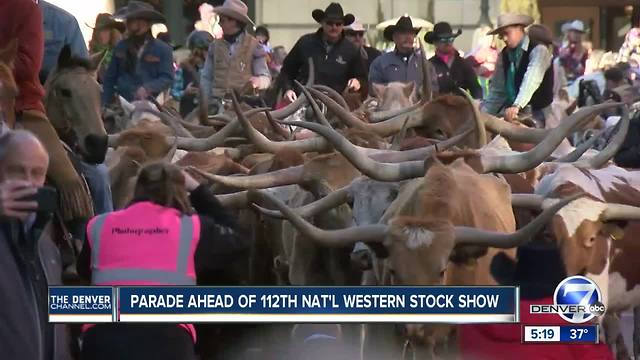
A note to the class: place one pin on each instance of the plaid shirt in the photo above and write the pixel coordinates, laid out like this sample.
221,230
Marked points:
178,87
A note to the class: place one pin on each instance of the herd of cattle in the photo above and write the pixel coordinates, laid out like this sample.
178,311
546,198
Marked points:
434,188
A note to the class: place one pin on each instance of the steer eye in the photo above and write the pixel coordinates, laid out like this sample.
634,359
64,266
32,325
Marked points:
65,92
442,273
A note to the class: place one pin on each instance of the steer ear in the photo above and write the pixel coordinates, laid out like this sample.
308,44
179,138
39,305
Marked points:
379,90
409,88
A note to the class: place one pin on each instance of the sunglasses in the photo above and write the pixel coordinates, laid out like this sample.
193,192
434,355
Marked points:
334,23
355,33
446,40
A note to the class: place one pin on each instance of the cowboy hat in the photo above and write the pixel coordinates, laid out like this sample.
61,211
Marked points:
535,281
506,20
541,34
356,26
333,12
106,21
441,30
403,24
575,25
140,10
235,9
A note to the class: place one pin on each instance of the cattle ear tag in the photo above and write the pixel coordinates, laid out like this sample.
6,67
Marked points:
616,233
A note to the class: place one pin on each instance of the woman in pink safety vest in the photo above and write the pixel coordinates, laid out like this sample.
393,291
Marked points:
157,240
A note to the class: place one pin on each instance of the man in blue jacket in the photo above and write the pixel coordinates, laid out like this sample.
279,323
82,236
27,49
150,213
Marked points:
142,66
60,29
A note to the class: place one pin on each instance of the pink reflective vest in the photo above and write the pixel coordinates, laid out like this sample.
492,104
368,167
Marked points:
144,244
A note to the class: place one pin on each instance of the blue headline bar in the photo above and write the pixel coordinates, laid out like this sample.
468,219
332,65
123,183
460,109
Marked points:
579,334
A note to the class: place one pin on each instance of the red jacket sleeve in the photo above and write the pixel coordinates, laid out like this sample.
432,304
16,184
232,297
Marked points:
28,29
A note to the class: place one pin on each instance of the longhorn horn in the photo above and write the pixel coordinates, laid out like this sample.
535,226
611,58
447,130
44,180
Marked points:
332,200
345,116
620,212
521,162
373,169
332,94
472,236
581,149
481,132
266,145
427,92
333,238
234,200
612,148
288,176
290,109
314,105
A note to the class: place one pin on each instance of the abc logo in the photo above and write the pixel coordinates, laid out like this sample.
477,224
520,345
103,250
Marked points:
584,294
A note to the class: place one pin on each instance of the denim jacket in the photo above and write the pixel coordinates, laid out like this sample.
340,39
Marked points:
153,69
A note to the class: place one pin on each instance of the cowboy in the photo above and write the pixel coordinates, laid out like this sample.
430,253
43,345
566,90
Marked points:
60,29
142,66
186,85
523,75
403,63
573,55
235,61
22,20
338,63
107,32
451,69
355,33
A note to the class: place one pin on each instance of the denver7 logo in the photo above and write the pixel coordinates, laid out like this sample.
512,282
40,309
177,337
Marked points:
580,299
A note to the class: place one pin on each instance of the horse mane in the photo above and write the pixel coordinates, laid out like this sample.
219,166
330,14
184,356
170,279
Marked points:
75,62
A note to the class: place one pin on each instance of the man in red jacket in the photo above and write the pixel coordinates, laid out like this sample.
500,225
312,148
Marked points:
21,20
538,271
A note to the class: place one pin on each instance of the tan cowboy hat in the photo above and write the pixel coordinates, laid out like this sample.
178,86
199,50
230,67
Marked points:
235,9
106,21
506,20
139,10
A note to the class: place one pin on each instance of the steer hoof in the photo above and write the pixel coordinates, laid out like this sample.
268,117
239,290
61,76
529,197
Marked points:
361,259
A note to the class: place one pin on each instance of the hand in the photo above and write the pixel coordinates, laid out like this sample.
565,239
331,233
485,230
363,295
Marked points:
511,113
354,85
255,82
141,93
191,90
290,95
11,191
189,182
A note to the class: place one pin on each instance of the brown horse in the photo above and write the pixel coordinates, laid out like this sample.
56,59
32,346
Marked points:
8,86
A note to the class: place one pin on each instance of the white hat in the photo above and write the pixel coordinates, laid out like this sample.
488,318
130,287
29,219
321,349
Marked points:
575,25
356,25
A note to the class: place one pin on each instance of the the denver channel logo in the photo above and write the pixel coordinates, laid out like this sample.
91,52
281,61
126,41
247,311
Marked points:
577,299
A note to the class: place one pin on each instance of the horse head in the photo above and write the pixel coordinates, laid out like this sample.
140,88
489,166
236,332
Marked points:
72,101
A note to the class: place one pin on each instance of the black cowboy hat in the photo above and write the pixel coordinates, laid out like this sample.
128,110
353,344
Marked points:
441,30
538,270
140,10
403,24
333,12
106,21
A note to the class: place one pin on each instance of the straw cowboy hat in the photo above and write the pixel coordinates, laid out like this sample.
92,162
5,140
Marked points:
333,12
506,20
106,21
403,24
575,25
140,10
356,26
235,9
441,30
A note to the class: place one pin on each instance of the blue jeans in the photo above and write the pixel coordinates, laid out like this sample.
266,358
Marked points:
98,180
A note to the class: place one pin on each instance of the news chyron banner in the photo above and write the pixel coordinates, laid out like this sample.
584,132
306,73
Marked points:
378,304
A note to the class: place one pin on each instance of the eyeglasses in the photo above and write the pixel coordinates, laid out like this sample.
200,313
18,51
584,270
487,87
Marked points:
334,23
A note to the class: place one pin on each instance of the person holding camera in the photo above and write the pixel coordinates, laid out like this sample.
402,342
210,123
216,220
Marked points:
157,240
29,259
